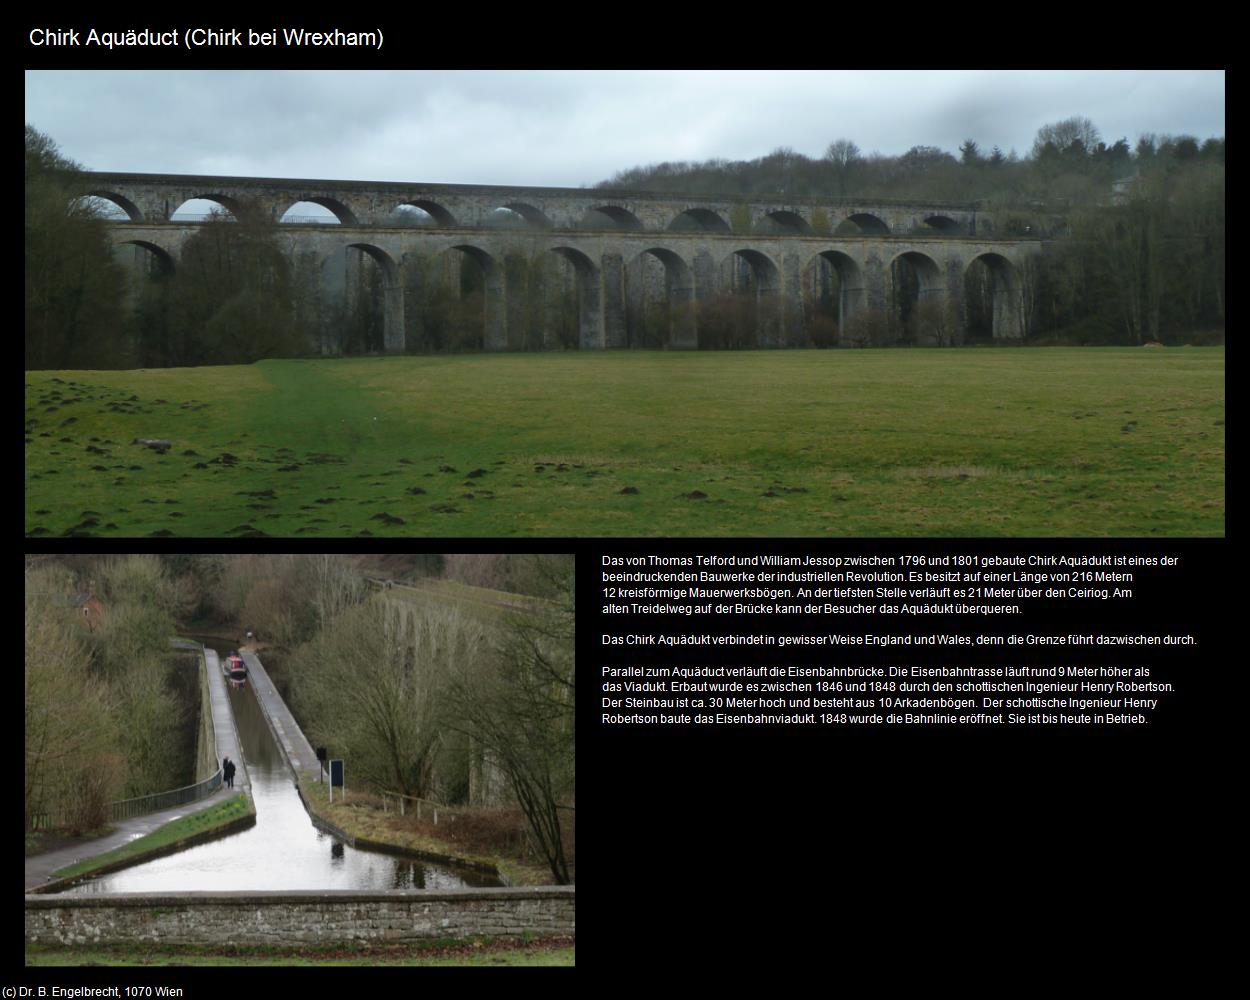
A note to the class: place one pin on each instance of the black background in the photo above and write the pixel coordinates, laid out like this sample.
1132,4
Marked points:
985,859
810,838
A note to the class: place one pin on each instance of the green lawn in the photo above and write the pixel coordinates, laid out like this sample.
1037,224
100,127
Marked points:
1082,442
163,840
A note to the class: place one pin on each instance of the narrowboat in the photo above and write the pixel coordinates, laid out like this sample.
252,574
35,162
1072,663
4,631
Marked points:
235,670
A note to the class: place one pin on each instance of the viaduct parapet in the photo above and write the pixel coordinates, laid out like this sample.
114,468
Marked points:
156,197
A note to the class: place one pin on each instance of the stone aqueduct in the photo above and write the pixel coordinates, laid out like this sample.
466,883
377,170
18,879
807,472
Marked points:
701,242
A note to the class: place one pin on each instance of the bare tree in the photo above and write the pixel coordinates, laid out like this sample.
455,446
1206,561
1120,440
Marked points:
336,587
372,686
934,322
71,765
520,710
842,155
1062,135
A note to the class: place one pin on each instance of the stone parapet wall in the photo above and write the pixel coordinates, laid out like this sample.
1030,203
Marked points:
298,918
206,763
155,197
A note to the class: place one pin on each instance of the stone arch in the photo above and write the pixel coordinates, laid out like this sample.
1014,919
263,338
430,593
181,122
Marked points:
148,271
835,289
338,209
235,206
916,285
494,304
659,294
1006,311
589,299
943,224
121,201
611,217
456,298
529,216
763,268
863,224
786,223
747,312
392,297
440,215
702,220
162,258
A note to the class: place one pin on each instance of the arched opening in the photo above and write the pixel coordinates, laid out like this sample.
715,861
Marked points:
455,301
745,312
699,220
420,212
374,300
659,295
586,298
833,295
783,224
920,313
308,213
517,215
992,301
230,301
147,258
942,224
204,207
318,212
610,217
862,224
111,206
149,273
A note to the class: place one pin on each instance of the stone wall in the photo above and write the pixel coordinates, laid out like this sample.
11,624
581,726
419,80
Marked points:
294,918
206,740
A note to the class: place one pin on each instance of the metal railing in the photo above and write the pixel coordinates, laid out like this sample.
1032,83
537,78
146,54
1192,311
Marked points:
127,808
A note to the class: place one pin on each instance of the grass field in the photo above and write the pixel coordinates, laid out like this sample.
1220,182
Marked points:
1050,442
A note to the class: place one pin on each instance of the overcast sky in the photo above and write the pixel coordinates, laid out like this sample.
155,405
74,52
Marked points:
570,128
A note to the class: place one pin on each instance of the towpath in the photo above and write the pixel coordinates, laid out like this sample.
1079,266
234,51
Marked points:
39,867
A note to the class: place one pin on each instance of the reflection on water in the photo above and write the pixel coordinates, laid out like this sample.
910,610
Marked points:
283,850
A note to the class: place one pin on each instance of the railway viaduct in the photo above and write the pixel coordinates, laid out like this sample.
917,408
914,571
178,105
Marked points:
695,247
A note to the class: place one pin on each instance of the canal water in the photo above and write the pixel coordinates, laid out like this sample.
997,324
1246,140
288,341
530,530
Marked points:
283,850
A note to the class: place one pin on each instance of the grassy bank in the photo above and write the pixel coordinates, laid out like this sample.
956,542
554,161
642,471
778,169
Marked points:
360,819
1082,442
237,813
480,951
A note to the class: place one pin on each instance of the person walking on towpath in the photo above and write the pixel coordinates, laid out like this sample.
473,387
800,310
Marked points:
227,771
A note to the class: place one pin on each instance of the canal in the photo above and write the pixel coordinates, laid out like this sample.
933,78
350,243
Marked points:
283,850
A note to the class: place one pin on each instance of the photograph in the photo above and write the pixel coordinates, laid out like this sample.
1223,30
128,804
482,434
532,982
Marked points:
874,417
372,755
820,304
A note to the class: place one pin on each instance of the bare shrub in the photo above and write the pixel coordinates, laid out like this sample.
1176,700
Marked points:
933,323
728,321
866,328
479,569
822,330
90,791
